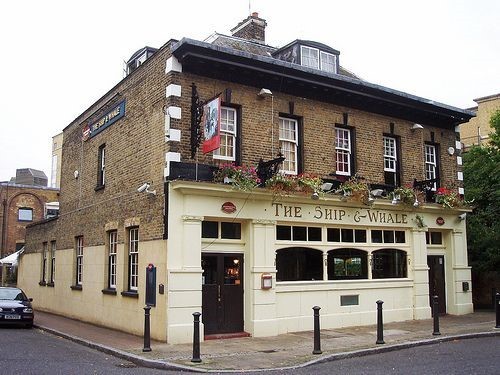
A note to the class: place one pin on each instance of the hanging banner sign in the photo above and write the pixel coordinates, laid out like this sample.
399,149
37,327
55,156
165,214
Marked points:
109,118
211,125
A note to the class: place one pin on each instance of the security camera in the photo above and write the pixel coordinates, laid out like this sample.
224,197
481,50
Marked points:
143,187
462,217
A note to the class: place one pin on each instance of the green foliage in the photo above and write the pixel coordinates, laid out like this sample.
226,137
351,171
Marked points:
482,185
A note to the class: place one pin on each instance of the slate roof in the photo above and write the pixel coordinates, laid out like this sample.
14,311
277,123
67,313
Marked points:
260,49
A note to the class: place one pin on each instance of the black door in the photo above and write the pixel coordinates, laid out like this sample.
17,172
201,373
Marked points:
222,293
437,281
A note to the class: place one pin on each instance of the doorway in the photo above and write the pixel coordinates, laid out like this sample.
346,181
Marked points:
437,285
222,293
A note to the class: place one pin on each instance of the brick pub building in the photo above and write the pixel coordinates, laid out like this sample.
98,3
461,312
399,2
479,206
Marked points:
136,190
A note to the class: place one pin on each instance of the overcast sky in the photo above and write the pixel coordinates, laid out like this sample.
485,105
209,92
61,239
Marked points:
59,57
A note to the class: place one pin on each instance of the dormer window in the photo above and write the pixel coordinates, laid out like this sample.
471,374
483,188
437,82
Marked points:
316,59
309,57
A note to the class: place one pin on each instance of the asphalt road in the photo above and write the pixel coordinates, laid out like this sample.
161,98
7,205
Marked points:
24,351
471,356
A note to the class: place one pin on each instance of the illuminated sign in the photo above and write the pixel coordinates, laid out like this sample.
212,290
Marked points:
109,118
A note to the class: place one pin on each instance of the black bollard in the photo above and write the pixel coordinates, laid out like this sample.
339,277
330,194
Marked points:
493,295
317,339
435,314
196,338
497,309
380,323
147,330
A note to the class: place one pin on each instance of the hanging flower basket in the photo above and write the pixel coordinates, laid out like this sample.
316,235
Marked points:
240,177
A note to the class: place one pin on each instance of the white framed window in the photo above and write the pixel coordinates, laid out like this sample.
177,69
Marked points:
430,164
79,260
228,121
328,62
390,155
112,242
133,256
52,261
343,151
45,247
309,57
101,172
288,137
25,214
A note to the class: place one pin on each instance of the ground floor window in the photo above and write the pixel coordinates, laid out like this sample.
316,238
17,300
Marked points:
389,263
298,263
344,264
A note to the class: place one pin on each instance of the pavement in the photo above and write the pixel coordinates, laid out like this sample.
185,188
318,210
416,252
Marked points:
285,351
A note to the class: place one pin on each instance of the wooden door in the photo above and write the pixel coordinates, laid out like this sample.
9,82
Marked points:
222,293
437,286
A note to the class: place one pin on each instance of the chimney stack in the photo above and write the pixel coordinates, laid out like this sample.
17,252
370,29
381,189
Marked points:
252,28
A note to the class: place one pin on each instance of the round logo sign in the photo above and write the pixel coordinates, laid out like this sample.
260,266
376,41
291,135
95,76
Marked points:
228,207
439,221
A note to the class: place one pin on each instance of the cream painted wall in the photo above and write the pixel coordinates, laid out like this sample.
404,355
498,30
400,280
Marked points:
90,304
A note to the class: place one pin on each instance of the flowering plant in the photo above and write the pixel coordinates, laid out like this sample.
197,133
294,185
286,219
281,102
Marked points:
355,188
308,183
283,184
447,198
405,194
241,177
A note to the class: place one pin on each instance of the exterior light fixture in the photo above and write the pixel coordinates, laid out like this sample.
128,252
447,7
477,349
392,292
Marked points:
395,200
462,217
264,93
315,196
416,204
416,126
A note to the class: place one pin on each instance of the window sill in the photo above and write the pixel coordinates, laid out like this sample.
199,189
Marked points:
130,293
50,284
76,287
42,283
99,187
109,291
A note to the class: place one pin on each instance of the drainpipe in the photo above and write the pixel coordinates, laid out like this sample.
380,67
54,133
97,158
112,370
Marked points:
4,225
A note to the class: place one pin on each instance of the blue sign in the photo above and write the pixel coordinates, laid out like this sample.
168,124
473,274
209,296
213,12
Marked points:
109,118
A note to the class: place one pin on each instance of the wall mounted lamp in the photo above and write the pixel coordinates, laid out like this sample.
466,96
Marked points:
416,126
315,196
264,93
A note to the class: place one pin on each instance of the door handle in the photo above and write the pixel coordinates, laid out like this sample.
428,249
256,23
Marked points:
218,293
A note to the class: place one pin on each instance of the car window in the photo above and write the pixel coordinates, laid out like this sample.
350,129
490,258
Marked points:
12,294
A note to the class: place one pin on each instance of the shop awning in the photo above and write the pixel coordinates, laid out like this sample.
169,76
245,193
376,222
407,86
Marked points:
12,259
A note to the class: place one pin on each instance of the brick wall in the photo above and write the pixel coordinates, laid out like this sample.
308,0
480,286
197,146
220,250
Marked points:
136,148
13,198
318,120
135,154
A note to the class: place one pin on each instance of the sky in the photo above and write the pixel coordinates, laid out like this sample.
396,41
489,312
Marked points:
59,57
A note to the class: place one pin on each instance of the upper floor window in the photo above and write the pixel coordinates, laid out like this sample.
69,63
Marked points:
25,214
316,59
101,166
343,150
289,144
391,161
228,121
431,163
328,62
309,57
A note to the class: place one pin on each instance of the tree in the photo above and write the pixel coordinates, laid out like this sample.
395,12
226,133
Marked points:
482,186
